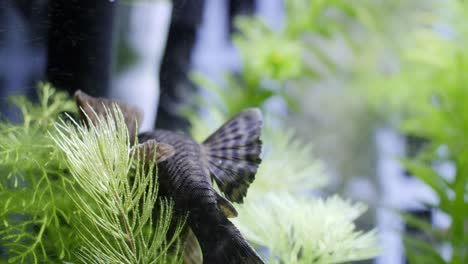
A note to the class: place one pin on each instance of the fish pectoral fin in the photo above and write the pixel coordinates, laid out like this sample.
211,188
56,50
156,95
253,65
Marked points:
233,153
164,151
93,107
226,207
151,150
192,250
222,243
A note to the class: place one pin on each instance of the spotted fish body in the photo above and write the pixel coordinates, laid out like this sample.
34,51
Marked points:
229,157
183,176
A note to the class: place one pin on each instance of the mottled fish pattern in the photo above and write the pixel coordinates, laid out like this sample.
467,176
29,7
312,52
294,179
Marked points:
186,171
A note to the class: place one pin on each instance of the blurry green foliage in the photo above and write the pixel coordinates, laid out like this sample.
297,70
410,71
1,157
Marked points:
273,60
428,91
291,161
276,62
125,56
267,54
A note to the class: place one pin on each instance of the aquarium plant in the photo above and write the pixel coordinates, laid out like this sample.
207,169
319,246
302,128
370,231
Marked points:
425,97
74,194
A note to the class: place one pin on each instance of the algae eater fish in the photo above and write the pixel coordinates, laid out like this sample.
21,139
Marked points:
186,171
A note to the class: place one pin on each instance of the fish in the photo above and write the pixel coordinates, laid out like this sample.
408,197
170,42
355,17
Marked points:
188,170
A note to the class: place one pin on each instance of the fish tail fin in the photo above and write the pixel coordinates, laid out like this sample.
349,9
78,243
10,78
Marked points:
233,153
223,243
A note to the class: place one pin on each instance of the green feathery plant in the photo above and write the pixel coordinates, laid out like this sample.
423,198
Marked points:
297,230
116,196
282,215
77,195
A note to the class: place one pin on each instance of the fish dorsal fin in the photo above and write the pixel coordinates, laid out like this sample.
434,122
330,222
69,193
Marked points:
92,107
147,150
233,153
225,206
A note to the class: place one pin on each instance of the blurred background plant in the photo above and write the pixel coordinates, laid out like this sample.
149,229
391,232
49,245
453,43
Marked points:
426,95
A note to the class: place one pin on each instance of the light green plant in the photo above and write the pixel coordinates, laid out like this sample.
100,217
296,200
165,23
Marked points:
270,54
117,196
299,230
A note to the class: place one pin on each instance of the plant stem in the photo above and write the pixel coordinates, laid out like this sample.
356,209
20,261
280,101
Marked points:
124,221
